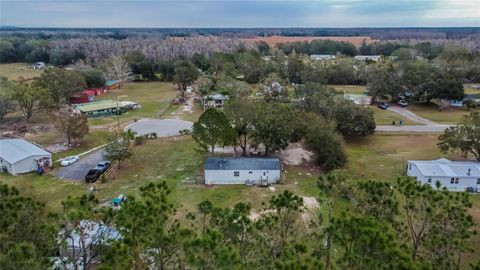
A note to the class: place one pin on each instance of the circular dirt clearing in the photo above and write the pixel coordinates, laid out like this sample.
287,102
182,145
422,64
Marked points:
163,127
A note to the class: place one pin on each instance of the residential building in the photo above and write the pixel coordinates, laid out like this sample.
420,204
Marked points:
454,175
367,57
214,101
358,99
20,156
322,57
38,65
243,171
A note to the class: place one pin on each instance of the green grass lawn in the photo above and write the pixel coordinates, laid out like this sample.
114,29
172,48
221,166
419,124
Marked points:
352,89
431,112
385,117
379,157
15,71
153,97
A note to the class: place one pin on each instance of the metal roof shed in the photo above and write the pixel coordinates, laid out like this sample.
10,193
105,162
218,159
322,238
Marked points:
20,156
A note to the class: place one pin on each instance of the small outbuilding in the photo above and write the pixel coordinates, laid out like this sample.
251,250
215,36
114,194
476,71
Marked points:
20,156
318,57
112,84
243,171
38,65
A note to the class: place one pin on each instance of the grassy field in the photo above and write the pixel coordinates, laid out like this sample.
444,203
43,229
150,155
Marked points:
153,97
15,71
351,89
431,112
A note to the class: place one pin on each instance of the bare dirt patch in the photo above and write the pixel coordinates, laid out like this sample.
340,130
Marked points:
295,154
274,40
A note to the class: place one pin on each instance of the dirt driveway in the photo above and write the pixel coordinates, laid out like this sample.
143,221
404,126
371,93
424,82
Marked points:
79,169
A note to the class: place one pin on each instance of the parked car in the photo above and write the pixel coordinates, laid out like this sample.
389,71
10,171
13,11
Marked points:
383,105
402,103
69,160
93,175
102,166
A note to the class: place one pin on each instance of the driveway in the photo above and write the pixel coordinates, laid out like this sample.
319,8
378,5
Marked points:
414,129
428,125
77,170
163,127
412,116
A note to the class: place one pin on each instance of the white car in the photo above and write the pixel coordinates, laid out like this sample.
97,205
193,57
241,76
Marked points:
69,160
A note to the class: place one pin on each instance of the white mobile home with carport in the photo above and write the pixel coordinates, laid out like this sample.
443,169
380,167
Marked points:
225,171
454,175
20,156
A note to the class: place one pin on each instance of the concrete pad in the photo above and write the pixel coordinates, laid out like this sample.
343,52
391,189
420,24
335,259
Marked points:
163,127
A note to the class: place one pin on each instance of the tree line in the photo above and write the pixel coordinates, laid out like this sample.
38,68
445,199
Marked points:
363,225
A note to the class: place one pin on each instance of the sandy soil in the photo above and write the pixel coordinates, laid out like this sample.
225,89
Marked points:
295,154
274,40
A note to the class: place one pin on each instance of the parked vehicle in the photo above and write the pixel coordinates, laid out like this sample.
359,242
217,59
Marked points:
402,103
383,105
93,175
69,160
471,190
103,166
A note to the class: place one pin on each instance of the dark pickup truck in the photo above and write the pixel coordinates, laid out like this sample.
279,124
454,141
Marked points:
93,175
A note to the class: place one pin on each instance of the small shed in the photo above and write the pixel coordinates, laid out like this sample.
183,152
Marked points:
249,171
112,84
20,156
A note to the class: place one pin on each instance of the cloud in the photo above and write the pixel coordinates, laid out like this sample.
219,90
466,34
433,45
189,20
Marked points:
235,13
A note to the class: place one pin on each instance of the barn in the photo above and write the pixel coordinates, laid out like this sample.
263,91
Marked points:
83,97
20,156
454,175
243,171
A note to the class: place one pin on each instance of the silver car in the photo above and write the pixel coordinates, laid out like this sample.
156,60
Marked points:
69,160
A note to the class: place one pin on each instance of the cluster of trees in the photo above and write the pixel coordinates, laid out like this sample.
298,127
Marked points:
320,47
368,225
319,116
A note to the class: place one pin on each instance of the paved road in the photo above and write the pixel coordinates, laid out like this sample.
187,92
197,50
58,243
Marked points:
77,170
163,127
412,116
420,129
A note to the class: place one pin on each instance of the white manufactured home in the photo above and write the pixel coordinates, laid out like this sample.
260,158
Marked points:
454,175
250,171
20,156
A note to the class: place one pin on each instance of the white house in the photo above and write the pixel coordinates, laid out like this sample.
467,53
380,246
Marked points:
249,171
454,175
214,101
20,156
367,57
322,57
358,99
38,65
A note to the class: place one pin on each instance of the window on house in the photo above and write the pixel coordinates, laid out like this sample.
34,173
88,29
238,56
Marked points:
478,181
236,173
409,166
452,180
456,180
429,180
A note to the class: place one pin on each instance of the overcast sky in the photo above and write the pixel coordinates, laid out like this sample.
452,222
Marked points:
232,13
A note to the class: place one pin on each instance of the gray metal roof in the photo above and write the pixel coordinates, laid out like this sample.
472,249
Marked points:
447,168
14,150
221,163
